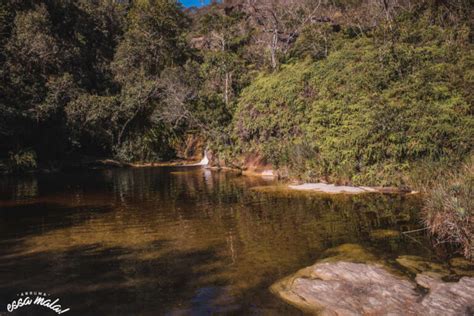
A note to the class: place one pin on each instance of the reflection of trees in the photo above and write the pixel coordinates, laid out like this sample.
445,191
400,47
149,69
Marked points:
252,238
26,188
278,235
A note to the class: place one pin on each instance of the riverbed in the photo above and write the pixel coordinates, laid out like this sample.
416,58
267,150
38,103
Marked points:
181,241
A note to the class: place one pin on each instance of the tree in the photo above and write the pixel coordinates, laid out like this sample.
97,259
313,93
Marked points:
224,36
279,23
52,53
154,40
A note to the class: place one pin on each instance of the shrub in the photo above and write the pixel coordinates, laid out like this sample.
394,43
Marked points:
21,160
369,112
449,209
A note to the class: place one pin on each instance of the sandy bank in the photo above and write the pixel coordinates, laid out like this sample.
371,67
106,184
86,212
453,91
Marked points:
331,188
339,189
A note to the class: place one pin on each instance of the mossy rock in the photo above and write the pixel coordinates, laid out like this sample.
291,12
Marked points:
416,265
403,218
349,252
462,266
384,234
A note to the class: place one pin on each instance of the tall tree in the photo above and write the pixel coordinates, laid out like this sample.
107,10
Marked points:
154,40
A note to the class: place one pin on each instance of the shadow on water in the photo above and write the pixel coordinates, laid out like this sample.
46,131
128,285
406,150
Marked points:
175,241
34,218
122,284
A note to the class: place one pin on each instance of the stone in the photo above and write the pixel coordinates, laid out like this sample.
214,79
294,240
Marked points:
462,266
384,234
347,288
349,252
331,188
415,265
447,298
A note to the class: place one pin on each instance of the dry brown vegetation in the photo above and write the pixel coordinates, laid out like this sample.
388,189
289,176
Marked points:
449,210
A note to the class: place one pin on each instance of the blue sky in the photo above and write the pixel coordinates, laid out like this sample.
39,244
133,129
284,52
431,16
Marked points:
195,3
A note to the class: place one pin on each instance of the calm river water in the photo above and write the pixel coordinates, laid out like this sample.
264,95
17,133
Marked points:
177,241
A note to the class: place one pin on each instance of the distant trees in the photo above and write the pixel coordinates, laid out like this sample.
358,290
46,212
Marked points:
53,52
279,22
130,79
375,110
154,40
87,74
223,37
33,64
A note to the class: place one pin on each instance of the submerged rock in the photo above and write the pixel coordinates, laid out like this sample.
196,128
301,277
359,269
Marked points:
347,288
416,265
384,234
346,189
331,188
349,252
462,266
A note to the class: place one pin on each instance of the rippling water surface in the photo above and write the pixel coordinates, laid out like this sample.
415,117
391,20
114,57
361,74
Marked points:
175,241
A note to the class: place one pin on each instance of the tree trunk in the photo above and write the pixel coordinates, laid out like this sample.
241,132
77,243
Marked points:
273,48
226,91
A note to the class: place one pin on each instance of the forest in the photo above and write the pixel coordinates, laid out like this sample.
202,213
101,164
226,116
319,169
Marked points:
370,92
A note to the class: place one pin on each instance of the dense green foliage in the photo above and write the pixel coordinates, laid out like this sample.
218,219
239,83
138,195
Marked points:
53,53
371,110
359,92
82,77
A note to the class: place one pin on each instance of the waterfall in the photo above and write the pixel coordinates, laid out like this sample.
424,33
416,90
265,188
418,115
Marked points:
204,161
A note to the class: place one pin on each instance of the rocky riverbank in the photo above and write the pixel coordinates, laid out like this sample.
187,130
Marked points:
346,288
345,189
356,282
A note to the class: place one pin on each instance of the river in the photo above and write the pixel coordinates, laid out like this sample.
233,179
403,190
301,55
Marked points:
179,241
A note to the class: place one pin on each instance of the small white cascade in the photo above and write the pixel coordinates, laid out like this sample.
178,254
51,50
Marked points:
204,161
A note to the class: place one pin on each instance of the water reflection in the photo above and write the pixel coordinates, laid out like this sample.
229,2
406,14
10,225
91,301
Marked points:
24,189
178,241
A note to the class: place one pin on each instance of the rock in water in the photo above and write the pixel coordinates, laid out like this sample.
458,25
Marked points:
447,298
416,265
462,266
346,288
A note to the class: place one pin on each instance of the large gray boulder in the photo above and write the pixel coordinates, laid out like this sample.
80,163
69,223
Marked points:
346,288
